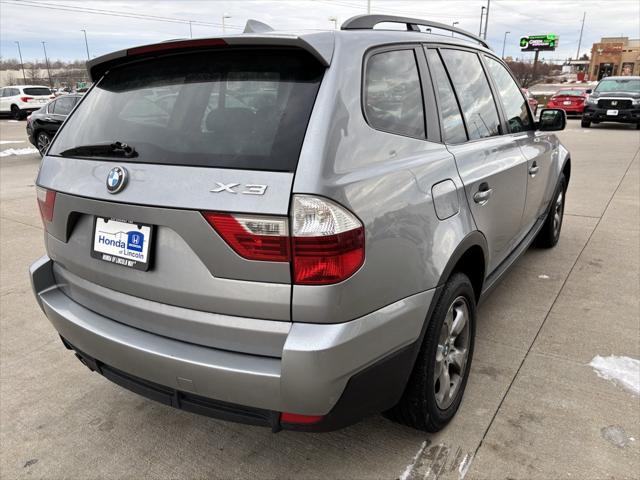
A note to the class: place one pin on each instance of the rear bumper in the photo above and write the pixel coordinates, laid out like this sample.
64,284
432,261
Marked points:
318,361
596,114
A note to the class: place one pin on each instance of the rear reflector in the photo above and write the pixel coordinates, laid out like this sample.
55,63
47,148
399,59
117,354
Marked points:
46,203
253,237
161,47
299,419
328,241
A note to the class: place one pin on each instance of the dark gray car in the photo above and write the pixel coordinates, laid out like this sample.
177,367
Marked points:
294,230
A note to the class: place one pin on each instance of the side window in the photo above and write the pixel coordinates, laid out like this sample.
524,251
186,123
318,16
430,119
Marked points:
63,106
393,95
4,92
452,124
49,108
513,102
474,94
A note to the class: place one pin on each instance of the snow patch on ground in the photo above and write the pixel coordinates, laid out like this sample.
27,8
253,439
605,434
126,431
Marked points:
623,371
463,468
409,469
5,142
544,277
18,151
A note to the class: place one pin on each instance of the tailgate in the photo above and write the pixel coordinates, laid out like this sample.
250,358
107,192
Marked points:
159,142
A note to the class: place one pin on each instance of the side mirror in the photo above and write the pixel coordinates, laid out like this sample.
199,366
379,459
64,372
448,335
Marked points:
588,90
552,120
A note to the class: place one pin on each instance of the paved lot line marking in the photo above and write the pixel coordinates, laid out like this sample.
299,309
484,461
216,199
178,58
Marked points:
5,142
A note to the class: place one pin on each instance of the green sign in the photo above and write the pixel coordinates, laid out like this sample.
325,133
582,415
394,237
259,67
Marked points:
534,43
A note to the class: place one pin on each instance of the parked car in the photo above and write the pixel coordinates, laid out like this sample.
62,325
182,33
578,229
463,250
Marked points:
533,103
615,99
571,100
312,253
43,124
20,100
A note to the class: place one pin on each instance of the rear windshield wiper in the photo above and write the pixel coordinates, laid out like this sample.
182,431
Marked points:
115,149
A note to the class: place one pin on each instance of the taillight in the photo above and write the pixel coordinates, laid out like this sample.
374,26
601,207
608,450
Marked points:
46,202
253,237
327,243
52,96
25,99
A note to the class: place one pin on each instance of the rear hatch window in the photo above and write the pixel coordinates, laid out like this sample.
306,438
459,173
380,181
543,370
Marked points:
243,109
37,91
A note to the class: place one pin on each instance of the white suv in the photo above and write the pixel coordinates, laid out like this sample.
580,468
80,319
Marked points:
20,100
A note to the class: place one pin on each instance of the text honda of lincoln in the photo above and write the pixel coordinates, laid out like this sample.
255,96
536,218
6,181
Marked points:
294,230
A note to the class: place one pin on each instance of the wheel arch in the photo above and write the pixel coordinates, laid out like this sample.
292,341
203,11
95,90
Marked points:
566,170
469,257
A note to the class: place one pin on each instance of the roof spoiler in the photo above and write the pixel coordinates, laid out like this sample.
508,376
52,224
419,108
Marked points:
320,45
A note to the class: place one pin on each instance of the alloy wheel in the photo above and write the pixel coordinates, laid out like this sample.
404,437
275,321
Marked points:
452,353
43,143
558,210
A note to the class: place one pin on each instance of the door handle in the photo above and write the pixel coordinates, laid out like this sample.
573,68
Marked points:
533,169
482,195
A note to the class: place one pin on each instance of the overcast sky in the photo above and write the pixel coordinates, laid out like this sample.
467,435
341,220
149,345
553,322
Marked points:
32,21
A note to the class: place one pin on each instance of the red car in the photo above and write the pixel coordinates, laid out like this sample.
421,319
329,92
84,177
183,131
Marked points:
533,103
571,100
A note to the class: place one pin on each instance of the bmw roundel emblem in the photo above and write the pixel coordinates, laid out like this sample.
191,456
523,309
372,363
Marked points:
117,179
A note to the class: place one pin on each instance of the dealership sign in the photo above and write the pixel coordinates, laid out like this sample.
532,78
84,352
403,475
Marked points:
534,43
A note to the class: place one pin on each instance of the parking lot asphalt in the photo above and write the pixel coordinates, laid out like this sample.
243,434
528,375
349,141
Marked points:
534,407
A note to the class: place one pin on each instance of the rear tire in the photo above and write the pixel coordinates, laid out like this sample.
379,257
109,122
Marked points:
550,233
445,356
16,114
585,123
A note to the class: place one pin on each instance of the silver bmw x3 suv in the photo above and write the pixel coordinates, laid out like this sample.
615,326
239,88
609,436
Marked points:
294,230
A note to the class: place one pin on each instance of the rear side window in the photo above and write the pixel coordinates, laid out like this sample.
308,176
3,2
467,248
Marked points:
63,106
36,91
228,109
474,94
515,106
452,124
393,95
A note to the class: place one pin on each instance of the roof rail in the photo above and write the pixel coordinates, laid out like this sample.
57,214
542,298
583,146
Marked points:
367,22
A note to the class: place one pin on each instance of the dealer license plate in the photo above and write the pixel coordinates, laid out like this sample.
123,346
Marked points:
122,242
612,112
567,102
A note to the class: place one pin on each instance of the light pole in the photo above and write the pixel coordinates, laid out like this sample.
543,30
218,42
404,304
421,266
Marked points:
21,64
335,22
86,43
504,41
454,26
226,15
584,15
46,59
486,19
481,17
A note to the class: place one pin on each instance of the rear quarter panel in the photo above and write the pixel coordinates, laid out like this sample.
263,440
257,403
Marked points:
386,180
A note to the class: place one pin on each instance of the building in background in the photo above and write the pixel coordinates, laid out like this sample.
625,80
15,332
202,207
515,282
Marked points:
614,56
